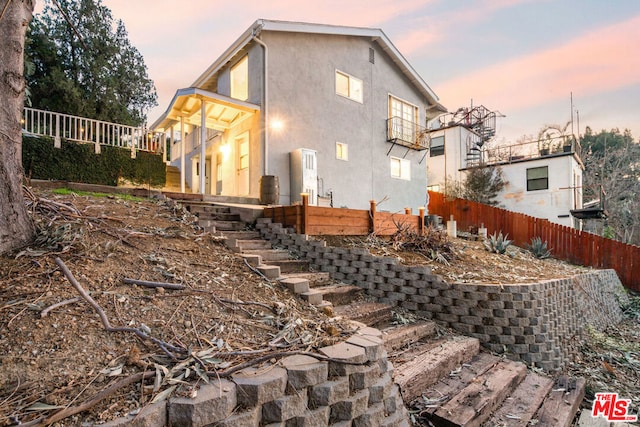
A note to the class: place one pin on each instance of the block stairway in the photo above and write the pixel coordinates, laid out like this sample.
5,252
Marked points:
446,380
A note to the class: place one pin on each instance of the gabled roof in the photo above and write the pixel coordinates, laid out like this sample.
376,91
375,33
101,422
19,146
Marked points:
375,34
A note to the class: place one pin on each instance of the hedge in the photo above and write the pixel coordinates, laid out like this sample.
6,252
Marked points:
79,163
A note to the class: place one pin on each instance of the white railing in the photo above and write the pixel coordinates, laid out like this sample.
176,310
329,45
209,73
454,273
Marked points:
81,129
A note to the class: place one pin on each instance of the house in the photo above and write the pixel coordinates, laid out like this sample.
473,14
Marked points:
543,177
291,107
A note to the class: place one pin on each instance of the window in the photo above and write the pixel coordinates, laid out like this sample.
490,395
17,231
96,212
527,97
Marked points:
404,117
538,178
400,168
342,151
240,80
436,146
348,86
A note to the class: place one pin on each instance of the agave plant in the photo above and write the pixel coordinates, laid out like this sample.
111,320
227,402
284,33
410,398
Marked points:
497,244
539,248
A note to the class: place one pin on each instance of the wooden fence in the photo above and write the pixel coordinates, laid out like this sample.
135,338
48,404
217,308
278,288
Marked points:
321,221
566,243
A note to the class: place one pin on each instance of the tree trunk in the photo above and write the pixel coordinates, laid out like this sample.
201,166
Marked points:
16,228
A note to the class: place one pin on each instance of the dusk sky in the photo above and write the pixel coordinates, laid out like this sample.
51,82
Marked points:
523,58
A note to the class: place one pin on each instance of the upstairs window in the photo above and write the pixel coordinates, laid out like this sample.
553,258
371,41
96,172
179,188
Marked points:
404,117
538,178
240,80
342,151
348,86
436,148
400,168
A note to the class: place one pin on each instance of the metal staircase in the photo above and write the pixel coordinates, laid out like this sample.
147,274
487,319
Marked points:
482,122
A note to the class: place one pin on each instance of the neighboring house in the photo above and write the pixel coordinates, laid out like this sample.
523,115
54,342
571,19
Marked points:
543,178
329,110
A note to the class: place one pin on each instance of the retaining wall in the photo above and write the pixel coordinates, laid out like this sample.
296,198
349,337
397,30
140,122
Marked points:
297,391
539,323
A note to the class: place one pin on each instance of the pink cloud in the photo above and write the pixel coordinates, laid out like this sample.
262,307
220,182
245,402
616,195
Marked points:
432,29
602,60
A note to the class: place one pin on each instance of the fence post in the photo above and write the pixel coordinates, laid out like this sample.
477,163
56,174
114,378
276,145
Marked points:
98,146
305,213
57,142
421,223
372,216
133,143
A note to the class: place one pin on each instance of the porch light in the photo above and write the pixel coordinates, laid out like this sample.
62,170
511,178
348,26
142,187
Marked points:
277,125
225,150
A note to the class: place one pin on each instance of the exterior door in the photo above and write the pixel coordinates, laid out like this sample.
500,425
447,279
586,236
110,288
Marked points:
242,148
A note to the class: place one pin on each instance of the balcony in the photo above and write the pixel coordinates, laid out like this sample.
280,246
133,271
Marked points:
407,134
548,147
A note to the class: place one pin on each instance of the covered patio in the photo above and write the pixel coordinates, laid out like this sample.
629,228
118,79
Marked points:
210,113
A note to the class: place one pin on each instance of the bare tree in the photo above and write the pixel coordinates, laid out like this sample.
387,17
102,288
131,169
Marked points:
16,227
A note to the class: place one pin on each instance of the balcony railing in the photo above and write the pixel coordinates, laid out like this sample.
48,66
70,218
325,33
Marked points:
81,129
561,145
407,133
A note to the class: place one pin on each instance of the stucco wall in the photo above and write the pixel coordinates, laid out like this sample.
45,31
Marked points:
302,95
553,203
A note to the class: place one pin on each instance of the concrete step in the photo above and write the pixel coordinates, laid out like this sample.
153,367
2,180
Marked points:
315,278
520,407
269,255
290,265
221,225
198,209
475,403
242,235
561,405
424,366
218,216
242,245
269,271
369,313
340,294
295,285
398,337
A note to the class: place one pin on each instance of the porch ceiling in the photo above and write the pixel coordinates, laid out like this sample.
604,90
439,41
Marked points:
221,112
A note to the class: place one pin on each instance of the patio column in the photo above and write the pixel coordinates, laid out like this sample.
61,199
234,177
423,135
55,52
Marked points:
167,153
203,140
182,142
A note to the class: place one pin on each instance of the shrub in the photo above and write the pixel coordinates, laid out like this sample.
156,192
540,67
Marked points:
78,163
539,248
497,244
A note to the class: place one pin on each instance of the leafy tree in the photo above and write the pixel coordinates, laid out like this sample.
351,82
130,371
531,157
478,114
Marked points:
612,162
16,227
84,64
483,184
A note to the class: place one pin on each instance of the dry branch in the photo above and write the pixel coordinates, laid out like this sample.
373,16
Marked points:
46,311
88,404
153,284
164,346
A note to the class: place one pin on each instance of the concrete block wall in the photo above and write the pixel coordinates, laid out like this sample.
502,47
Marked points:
538,323
347,384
